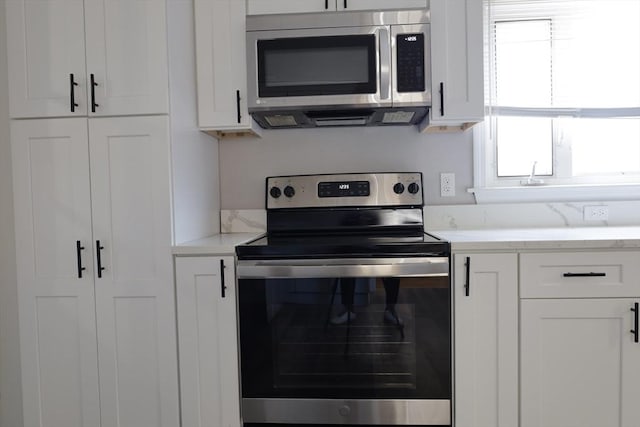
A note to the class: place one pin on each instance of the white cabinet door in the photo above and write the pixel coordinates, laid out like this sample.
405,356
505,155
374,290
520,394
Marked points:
98,347
56,298
221,64
268,7
456,63
380,4
603,274
134,293
45,46
486,340
579,364
127,56
207,330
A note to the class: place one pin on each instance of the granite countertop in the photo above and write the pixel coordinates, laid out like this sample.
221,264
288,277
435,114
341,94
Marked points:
218,244
543,238
563,238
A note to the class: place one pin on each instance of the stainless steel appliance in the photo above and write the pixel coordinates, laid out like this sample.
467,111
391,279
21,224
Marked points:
333,69
345,306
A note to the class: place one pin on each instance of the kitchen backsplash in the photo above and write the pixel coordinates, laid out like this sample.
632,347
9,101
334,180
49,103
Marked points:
470,217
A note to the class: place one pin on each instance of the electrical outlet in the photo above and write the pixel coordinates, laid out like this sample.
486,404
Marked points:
447,184
596,213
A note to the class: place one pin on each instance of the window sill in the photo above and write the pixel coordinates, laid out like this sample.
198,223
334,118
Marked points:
556,193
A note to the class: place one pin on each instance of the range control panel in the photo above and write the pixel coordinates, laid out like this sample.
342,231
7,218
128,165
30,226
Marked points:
345,190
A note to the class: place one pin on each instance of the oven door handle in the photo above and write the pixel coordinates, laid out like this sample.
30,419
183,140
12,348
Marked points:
367,267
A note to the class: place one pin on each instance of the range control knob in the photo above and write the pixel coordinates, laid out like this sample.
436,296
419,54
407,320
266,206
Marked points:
398,188
289,191
275,192
413,188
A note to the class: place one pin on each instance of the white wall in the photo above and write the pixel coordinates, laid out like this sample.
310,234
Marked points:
196,197
246,162
10,386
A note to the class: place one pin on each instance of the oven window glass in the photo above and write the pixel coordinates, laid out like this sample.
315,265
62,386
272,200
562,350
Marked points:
307,66
386,338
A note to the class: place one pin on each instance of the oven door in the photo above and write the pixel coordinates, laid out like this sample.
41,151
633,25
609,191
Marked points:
345,341
319,67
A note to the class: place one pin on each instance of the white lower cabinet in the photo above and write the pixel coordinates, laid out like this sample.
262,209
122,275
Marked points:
486,340
580,364
95,289
208,344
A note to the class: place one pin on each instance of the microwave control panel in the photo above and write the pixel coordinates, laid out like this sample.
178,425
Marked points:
410,61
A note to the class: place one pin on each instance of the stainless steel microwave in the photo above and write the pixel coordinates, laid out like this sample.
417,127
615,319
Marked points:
355,68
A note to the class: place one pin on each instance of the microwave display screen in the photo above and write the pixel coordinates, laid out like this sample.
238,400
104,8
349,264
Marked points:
327,65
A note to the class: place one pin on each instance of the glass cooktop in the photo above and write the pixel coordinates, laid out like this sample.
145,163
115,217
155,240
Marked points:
343,245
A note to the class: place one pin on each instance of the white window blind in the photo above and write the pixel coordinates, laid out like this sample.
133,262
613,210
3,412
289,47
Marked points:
563,91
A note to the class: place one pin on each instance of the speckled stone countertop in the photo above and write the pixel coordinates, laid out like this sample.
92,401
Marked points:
512,239
564,238
218,244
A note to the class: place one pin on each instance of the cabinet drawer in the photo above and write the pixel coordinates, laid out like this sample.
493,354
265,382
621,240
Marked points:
580,275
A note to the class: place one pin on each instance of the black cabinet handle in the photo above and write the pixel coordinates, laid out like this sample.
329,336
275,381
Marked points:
441,98
467,267
72,94
93,94
99,249
345,4
584,274
79,249
636,322
223,288
326,4
238,105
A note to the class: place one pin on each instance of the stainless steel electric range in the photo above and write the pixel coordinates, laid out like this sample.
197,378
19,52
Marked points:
345,306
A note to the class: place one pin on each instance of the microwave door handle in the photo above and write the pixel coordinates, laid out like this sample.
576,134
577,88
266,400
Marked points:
385,63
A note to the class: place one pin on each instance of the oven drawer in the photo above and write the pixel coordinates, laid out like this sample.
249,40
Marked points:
579,275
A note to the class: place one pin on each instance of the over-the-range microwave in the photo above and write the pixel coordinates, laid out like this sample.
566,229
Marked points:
339,69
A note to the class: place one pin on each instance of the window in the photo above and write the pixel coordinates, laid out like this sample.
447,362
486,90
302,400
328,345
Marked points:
563,93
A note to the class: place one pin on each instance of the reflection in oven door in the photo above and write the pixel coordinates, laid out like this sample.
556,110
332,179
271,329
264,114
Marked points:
364,338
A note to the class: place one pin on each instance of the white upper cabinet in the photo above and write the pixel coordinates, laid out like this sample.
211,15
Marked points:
97,57
45,49
127,56
266,7
380,4
456,64
221,66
